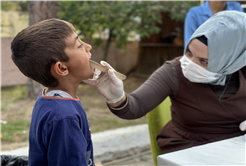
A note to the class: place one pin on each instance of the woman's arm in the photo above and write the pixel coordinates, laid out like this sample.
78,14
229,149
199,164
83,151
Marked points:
162,83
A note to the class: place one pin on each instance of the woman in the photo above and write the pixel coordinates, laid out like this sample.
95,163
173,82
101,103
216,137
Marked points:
207,86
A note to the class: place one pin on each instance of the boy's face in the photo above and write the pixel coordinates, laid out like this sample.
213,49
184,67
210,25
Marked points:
79,56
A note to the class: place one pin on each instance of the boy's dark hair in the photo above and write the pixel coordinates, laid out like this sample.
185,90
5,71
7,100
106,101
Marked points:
38,46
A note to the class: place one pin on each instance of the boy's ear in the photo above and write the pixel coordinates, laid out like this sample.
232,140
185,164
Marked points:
60,69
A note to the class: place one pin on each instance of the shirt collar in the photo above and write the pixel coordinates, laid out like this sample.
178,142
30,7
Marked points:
207,11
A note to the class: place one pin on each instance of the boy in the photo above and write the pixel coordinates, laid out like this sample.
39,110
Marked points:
51,53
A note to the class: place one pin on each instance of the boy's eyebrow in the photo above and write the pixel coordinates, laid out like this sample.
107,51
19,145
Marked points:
76,38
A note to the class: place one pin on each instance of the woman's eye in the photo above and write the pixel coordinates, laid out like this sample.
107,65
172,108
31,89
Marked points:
188,53
80,45
205,62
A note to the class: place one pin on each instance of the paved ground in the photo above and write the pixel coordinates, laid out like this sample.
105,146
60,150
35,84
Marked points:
127,146
141,159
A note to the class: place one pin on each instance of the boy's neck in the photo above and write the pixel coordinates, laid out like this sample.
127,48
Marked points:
70,91
217,6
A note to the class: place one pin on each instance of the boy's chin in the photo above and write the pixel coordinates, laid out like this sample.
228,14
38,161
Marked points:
91,75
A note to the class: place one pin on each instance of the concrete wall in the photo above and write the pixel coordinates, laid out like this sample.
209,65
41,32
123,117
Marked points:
122,61
10,74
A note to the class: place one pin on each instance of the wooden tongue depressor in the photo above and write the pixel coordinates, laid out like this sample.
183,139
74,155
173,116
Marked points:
105,69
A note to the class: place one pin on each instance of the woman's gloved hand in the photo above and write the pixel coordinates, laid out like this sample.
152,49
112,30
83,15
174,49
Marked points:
108,84
242,126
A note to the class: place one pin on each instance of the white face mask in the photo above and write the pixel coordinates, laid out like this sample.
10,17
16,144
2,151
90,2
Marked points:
195,73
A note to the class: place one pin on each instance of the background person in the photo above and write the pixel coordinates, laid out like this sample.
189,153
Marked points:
206,86
197,15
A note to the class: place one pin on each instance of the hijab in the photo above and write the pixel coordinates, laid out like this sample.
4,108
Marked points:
226,40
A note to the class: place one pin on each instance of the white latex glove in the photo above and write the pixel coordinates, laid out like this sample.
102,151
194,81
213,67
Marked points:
109,85
242,126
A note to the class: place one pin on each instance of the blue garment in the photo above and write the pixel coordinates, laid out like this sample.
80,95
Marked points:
199,14
59,133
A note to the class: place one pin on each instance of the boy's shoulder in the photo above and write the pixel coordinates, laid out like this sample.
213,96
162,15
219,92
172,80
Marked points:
54,108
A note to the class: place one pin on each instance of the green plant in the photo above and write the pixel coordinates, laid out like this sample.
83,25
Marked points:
13,93
25,139
178,9
112,20
14,128
14,5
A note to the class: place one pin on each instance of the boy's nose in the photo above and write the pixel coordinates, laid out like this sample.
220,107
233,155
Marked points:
88,47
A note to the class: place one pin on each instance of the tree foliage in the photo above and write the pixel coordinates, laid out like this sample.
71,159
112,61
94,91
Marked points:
112,20
14,5
178,9
120,20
